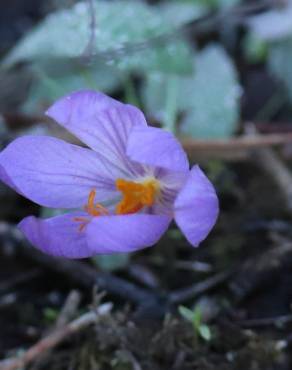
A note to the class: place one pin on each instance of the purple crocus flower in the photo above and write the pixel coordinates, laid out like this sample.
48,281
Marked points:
121,194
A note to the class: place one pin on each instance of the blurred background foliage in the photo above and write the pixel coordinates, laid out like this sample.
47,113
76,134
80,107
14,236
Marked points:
145,55
150,57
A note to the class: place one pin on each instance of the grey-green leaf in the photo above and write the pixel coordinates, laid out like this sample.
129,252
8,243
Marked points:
221,4
186,313
112,262
272,25
214,103
255,48
122,41
51,83
208,99
205,332
178,13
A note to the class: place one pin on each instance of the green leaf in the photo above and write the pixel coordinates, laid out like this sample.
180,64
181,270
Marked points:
50,83
112,262
220,4
64,35
178,13
197,317
205,332
226,3
208,98
256,50
213,106
186,313
52,212
50,314
175,234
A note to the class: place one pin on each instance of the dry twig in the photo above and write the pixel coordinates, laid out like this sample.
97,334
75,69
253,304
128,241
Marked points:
266,321
197,289
54,338
255,272
83,274
267,160
233,149
69,309
19,279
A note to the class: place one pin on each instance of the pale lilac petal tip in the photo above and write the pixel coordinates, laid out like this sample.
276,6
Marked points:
58,236
196,207
156,147
79,112
80,105
100,122
53,173
96,118
126,233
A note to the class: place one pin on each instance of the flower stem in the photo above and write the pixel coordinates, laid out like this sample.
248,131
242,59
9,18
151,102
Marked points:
171,104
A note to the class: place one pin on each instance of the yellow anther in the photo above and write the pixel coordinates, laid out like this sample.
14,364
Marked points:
136,195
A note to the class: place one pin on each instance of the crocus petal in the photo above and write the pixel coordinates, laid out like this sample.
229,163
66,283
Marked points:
126,233
156,147
54,173
57,236
172,182
7,180
196,207
100,122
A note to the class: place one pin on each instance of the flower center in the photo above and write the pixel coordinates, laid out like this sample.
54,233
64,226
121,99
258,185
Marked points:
136,195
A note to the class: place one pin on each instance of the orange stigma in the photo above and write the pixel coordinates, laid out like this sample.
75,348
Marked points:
136,195
92,209
95,209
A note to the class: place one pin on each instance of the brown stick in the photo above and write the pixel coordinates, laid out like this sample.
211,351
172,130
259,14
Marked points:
242,142
258,270
22,278
267,160
69,309
54,338
276,169
197,289
266,321
237,148
82,274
